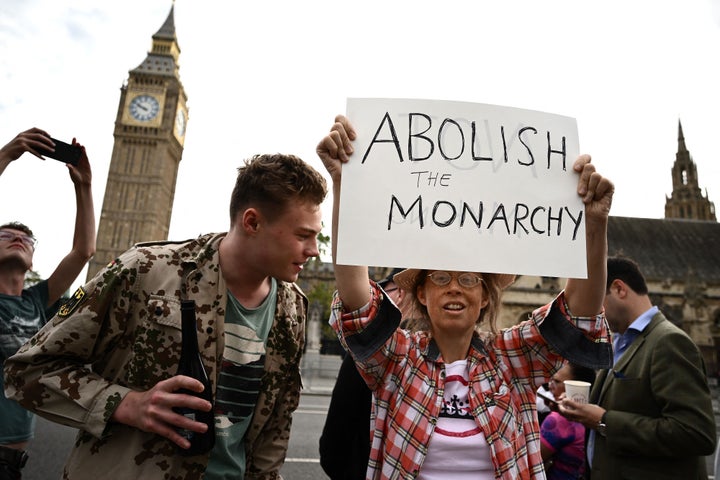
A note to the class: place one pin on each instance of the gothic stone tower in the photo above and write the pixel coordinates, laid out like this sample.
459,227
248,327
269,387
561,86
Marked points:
686,200
149,136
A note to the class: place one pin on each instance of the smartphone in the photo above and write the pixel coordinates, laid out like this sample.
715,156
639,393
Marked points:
546,398
64,152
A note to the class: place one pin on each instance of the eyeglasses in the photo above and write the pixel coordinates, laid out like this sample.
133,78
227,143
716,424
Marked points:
6,236
466,280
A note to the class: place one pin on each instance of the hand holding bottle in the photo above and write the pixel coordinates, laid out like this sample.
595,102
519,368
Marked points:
152,410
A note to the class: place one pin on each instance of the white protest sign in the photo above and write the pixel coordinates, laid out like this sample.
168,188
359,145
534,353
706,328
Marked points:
461,186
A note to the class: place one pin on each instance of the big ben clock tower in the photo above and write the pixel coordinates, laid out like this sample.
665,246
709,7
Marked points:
149,136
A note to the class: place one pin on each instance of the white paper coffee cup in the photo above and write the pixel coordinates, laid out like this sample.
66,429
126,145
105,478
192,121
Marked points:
577,391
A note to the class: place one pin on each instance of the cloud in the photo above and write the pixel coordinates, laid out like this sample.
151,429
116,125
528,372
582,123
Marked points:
715,10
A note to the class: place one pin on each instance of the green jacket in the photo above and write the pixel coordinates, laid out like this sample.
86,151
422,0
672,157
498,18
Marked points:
660,420
121,332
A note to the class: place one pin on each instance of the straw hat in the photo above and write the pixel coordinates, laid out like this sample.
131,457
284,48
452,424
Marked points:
406,279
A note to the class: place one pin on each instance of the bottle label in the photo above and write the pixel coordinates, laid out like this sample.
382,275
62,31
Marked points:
185,433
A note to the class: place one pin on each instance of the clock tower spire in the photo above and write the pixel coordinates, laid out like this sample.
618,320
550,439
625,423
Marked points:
149,136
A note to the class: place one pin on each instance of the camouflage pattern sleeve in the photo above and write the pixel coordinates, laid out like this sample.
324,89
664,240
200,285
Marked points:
55,373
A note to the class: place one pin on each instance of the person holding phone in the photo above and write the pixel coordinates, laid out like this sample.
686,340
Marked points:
41,144
23,311
562,441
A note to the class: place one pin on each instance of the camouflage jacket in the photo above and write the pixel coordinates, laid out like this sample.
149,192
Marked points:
121,332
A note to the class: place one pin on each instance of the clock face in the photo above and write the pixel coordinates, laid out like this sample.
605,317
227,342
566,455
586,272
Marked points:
144,108
180,122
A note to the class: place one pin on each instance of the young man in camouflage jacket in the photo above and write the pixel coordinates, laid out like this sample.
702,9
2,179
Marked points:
106,363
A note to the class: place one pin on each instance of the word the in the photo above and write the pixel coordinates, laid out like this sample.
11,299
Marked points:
432,179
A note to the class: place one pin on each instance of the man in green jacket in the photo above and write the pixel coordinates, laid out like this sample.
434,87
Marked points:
106,363
651,416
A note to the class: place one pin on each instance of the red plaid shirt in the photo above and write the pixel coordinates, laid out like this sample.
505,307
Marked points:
406,373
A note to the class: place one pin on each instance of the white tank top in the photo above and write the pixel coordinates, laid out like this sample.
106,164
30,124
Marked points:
458,448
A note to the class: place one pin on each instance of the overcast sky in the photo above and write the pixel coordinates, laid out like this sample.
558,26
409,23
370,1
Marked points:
270,76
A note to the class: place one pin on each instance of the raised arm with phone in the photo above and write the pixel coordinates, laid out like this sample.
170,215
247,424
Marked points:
41,144
63,152
23,311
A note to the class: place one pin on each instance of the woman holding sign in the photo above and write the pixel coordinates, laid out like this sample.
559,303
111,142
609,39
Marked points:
451,400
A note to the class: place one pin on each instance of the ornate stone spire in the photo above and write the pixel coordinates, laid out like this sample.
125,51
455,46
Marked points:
687,200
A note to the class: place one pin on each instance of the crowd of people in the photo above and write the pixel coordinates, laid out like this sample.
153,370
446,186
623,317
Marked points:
430,387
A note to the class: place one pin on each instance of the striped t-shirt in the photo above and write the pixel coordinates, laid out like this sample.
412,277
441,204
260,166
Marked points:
243,364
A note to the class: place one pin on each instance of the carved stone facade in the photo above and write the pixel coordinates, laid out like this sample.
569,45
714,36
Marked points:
684,297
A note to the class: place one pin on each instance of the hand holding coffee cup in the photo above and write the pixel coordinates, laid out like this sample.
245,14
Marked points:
577,391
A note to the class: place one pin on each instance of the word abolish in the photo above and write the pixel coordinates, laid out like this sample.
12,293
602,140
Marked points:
514,219
450,139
